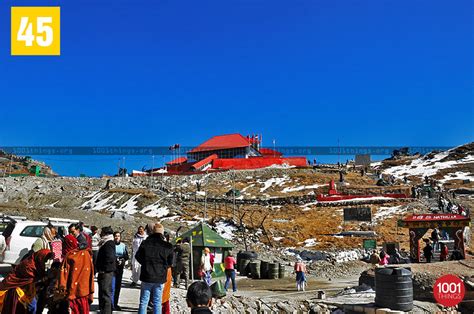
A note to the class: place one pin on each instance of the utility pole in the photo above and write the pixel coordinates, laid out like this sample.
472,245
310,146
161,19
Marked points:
338,152
233,193
205,196
151,172
124,172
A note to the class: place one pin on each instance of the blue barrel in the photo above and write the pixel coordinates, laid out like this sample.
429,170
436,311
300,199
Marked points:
394,288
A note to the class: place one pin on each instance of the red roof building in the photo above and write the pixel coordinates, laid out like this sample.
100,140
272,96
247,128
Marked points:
177,161
226,146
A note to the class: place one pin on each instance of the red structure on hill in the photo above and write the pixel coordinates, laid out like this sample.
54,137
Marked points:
231,151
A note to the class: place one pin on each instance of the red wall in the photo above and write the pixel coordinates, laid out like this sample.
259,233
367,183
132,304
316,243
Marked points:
257,162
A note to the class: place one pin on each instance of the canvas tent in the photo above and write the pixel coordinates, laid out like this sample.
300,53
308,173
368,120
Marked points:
202,236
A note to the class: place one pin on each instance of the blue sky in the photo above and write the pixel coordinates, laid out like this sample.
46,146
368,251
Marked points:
303,72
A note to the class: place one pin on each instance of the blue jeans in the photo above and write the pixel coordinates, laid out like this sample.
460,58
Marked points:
230,276
113,291
150,288
207,277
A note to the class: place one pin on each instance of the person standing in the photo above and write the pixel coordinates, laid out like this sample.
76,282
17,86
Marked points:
155,256
428,252
18,288
207,266
396,258
137,241
76,278
300,270
374,258
178,262
166,295
384,258
121,254
44,242
435,238
443,256
95,244
229,266
75,230
85,235
106,266
185,260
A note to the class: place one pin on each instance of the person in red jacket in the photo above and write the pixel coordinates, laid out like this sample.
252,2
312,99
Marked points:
229,265
444,253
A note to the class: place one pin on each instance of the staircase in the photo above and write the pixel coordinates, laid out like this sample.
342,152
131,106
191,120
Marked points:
436,254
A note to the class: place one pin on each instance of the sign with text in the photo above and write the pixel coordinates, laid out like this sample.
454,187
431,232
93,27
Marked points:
357,214
35,31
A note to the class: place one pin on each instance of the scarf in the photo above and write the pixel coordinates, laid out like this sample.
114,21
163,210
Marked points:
108,237
28,271
70,244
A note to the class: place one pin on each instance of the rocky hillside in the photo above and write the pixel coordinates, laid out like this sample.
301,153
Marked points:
454,167
12,165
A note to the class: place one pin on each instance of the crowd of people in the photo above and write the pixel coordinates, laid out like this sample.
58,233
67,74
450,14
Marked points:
58,272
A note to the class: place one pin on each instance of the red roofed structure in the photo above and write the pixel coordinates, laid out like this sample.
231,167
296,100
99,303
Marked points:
177,161
230,151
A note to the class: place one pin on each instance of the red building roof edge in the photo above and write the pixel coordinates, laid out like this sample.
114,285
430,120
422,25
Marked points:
225,141
204,161
177,161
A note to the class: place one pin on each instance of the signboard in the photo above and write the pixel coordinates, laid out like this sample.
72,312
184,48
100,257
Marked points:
357,214
369,244
436,220
434,217
362,160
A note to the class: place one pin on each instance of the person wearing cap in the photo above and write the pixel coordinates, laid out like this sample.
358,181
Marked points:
155,256
207,265
106,267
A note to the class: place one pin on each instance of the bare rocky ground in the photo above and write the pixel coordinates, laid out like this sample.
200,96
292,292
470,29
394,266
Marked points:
275,230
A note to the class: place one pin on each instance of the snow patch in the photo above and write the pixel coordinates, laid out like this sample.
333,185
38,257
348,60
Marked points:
388,212
425,166
225,230
458,175
310,242
300,188
155,210
273,181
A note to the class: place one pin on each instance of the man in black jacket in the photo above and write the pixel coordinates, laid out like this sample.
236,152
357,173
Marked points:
106,266
155,256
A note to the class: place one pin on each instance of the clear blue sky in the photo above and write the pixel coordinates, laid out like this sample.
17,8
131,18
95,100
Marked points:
367,72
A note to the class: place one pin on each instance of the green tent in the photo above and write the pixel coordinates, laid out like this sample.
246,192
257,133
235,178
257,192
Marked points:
202,236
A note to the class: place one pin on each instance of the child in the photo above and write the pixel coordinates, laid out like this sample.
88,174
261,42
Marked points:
199,298
300,269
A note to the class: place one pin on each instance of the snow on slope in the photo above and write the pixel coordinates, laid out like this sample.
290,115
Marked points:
388,212
155,210
429,165
273,181
303,187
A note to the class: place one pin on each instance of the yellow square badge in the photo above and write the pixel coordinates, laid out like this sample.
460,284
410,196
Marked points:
35,31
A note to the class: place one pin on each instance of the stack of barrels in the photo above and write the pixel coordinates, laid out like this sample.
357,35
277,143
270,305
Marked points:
243,261
249,265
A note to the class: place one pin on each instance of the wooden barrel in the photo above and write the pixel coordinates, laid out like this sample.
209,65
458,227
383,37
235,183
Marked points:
244,263
255,269
264,270
281,271
273,270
